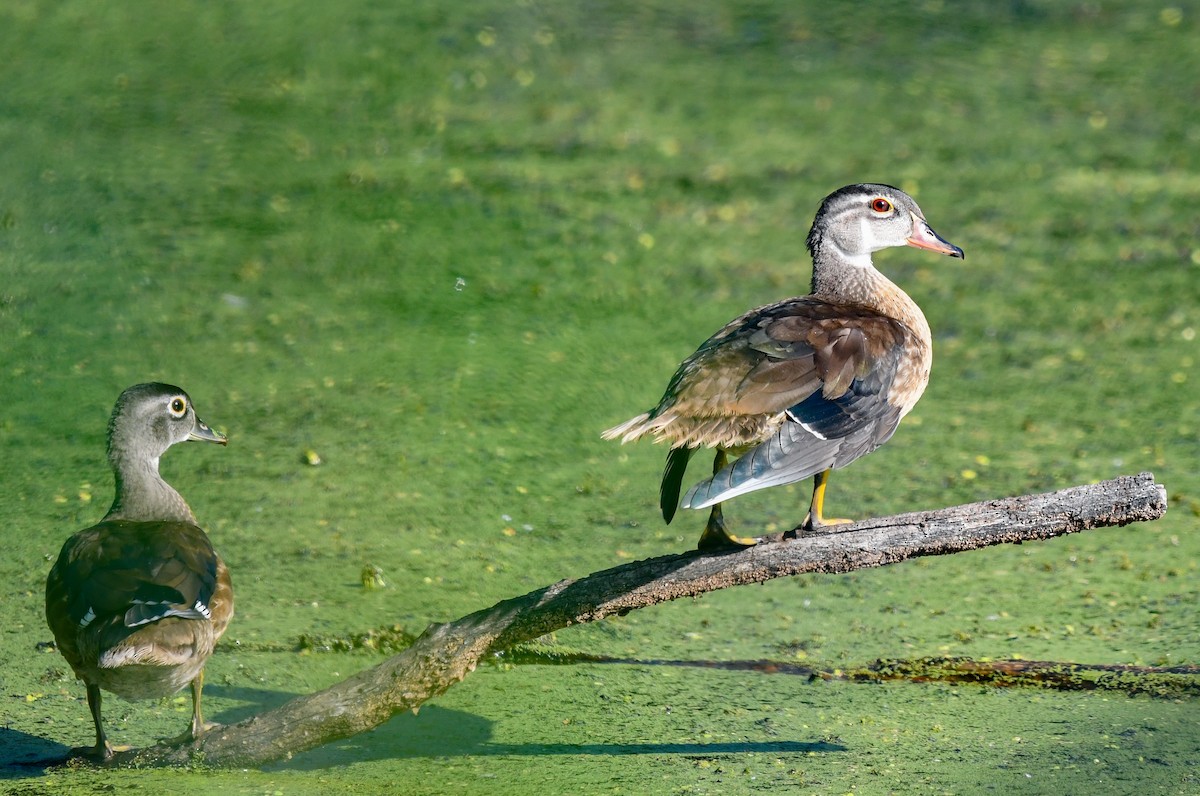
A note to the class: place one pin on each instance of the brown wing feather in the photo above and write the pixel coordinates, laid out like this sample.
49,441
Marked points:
856,410
105,572
735,388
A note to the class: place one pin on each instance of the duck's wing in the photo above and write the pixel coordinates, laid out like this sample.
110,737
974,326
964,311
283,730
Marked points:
120,575
826,374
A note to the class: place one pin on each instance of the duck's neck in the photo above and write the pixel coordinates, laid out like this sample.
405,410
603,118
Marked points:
842,280
142,494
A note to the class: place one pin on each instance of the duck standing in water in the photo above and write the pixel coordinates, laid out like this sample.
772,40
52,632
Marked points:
137,602
806,385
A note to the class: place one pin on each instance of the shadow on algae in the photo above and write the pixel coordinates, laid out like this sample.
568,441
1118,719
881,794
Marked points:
455,733
442,733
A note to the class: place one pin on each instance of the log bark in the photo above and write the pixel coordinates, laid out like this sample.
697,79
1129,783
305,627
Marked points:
446,653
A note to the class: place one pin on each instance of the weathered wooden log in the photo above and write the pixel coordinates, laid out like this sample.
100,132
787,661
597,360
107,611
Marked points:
446,653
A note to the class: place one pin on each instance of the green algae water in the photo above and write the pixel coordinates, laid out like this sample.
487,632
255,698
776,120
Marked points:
413,260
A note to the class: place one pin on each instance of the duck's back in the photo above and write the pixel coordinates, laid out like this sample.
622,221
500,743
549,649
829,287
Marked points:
137,607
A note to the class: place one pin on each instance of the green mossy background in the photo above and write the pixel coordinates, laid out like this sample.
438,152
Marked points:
441,246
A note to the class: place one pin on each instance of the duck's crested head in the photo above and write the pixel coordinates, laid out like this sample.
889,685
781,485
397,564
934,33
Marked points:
149,418
859,219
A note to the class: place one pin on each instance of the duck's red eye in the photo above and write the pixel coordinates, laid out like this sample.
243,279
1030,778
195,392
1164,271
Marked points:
881,205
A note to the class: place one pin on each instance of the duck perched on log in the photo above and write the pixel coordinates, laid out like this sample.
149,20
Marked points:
806,385
137,601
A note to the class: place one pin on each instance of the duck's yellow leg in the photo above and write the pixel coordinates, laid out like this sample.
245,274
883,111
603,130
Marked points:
199,726
816,518
103,750
716,536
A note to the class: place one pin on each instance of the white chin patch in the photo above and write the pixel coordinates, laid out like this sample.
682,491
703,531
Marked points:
866,232
866,244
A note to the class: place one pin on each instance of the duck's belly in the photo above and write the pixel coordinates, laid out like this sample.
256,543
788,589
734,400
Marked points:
143,681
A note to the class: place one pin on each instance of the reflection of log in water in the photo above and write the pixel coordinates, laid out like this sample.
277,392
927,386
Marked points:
445,654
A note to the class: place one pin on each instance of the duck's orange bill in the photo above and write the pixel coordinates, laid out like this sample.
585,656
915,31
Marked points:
923,237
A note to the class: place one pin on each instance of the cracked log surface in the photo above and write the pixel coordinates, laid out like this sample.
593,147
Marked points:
446,653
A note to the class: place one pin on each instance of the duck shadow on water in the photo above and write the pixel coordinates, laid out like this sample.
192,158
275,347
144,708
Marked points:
23,755
435,732
440,732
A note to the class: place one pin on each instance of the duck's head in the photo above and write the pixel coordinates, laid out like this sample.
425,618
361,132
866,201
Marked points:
857,220
149,418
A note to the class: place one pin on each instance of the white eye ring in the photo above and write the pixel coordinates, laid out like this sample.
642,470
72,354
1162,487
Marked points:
178,406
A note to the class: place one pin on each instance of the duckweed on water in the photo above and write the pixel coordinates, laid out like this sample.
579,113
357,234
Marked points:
389,640
442,246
